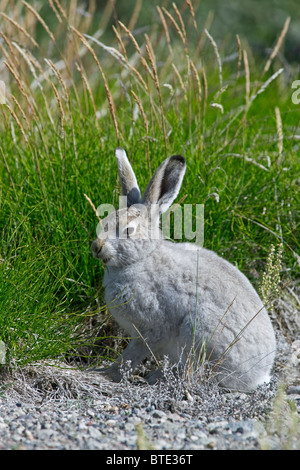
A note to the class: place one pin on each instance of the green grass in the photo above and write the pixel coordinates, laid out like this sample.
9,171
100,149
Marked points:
57,144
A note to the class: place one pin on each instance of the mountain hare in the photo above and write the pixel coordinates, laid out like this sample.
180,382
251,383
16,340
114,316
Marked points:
175,298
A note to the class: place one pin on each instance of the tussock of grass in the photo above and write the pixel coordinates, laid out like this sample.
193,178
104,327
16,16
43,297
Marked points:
76,89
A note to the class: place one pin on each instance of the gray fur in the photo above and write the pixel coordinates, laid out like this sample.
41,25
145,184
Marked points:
172,300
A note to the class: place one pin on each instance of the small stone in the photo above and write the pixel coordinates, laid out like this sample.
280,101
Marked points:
293,390
158,414
28,435
111,422
95,433
239,430
211,445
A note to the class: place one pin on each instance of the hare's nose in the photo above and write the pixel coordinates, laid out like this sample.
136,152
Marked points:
97,246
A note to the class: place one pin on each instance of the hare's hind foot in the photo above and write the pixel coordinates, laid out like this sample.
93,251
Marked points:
154,376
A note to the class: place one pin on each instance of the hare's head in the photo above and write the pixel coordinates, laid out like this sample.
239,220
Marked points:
130,233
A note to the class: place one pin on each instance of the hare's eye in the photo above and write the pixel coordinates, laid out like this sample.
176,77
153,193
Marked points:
129,231
105,228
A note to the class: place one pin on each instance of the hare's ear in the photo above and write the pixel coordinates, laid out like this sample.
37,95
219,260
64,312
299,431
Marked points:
165,183
130,188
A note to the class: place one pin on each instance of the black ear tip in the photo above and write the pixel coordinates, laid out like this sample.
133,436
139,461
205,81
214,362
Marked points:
178,159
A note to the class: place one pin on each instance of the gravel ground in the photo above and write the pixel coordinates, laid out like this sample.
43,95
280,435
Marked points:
95,424
70,425
56,407
46,407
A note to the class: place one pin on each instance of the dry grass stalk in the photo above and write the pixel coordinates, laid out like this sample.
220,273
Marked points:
279,133
207,26
92,206
248,159
61,10
40,19
165,27
182,85
199,88
126,60
88,18
176,26
15,9
18,80
195,71
55,11
21,110
72,11
175,207
18,123
152,60
139,76
123,59
138,49
31,62
146,343
8,170
3,4
60,106
215,47
223,325
192,11
182,26
278,44
6,54
265,85
121,43
11,56
236,339
247,77
85,81
112,110
107,90
205,86
146,125
20,28
239,56
60,79
29,21
138,102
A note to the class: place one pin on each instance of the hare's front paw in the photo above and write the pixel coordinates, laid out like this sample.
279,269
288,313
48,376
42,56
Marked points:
111,373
